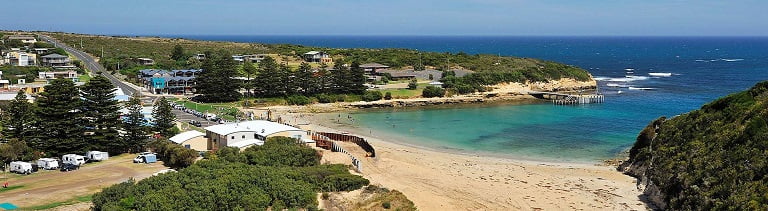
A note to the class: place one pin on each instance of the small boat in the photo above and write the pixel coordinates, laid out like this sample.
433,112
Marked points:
660,74
619,92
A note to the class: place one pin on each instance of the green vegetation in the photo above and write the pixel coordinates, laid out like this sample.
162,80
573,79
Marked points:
433,91
134,126
172,154
164,117
297,100
10,188
29,73
372,96
101,110
714,158
279,174
215,83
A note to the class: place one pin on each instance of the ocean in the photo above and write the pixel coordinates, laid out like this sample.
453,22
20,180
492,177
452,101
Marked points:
702,69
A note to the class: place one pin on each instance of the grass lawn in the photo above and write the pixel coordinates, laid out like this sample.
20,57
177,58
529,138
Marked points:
75,200
406,93
84,78
12,187
226,111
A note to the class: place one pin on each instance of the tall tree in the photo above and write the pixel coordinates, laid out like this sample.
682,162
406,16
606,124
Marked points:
178,53
322,79
356,78
288,86
339,77
304,80
60,126
134,126
215,82
249,71
100,110
267,81
164,117
19,118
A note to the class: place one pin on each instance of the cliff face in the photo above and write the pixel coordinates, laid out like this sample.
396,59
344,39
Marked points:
712,158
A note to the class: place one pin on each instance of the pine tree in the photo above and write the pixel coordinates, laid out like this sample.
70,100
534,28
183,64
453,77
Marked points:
323,79
101,112
267,81
215,83
288,87
19,118
304,80
178,53
164,117
249,71
60,122
134,126
339,78
356,79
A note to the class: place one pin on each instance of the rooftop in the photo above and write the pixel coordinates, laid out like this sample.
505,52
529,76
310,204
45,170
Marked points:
261,127
182,137
54,56
374,65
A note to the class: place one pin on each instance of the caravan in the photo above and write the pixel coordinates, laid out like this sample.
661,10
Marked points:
145,158
97,155
73,159
21,167
48,163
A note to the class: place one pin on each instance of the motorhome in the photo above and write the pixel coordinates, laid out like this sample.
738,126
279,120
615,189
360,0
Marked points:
97,155
47,163
73,159
21,167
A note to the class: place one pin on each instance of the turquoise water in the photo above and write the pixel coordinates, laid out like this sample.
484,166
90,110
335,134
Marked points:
703,69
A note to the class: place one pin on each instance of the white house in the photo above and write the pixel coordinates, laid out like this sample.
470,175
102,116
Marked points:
191,140
317,56
26,39
249,133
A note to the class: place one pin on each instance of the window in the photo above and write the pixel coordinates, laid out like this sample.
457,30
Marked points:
243,136
187,146
233,137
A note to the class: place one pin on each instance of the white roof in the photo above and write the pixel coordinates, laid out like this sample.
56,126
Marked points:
182,137
5,81
246,143
313,52
261,127
435,83
9,97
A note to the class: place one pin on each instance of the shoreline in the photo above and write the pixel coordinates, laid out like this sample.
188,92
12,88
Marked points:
438,180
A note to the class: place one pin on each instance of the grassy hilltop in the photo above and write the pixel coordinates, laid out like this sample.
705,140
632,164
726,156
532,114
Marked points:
160,50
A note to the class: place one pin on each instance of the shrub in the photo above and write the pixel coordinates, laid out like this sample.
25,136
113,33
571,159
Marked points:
464,89
325,196
297,100
388,96
433,91
372,96
413,84
386,205
172,154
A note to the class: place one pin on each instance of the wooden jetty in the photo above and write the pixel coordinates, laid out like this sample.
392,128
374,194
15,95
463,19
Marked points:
569,99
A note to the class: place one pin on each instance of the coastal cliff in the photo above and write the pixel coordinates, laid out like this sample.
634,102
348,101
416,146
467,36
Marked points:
712,158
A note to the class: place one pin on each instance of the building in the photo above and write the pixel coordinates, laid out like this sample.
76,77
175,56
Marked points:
317,56
199,56
191,140
238,58
372,68
49,76
249,133
168,82
21,59
26,39
55,60
41,50
9,96
145,61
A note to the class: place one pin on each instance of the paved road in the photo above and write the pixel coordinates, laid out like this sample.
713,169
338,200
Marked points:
182,116
91,64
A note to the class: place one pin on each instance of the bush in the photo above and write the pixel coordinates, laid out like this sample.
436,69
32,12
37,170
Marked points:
325,196
372,96
413,84
297,100
464,89
325,98
386,205
388,96
172,154
433,91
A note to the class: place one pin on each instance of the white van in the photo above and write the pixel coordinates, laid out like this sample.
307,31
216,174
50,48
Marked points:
73,159
97,155
47,163
21,167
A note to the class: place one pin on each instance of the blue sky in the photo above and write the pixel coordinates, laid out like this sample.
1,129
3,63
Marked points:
393,17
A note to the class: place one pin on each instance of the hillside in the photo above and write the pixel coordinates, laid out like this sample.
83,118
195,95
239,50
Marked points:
714,158
160,50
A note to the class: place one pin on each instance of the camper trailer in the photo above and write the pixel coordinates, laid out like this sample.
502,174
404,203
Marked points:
73,159
21,167
145,158
48,163
97,155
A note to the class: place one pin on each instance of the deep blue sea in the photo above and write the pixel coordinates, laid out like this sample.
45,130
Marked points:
703,69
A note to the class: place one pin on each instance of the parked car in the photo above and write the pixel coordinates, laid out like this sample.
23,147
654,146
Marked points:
69,167
195,123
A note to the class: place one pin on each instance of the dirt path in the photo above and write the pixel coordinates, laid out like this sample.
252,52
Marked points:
47,187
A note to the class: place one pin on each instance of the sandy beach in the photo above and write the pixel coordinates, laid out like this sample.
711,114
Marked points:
442,180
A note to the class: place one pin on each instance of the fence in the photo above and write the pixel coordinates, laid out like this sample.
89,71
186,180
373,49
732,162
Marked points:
370,152
324,142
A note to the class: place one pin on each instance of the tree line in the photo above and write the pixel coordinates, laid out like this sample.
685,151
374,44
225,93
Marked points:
73,119
216,83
